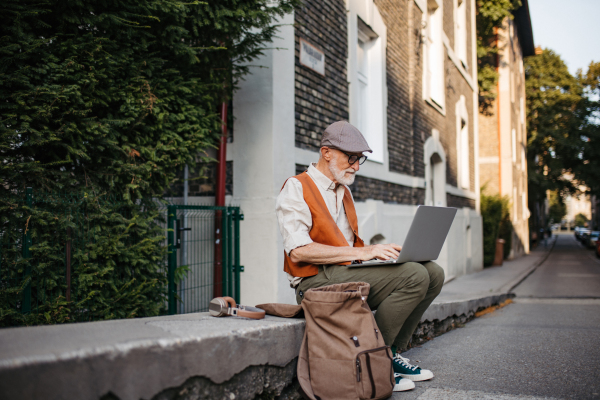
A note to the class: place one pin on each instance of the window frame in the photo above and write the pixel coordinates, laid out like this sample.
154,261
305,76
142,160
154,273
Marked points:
463,150
460,31
434,87
368,111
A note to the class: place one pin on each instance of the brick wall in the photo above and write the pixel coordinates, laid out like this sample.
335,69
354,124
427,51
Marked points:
459,202
401,143
321,100
365,188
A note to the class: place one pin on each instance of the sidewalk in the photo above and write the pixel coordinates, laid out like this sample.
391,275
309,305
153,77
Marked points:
490,286
214,358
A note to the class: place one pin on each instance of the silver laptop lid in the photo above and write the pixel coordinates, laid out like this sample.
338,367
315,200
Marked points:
427,234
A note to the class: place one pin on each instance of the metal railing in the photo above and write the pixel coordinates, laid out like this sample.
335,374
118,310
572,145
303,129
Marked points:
47,261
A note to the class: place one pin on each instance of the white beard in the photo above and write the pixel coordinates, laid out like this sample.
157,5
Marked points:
341,176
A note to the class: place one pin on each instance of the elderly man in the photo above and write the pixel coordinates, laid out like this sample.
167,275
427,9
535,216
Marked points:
318,222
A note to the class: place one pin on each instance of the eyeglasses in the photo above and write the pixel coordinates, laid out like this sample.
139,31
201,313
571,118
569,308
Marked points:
352,158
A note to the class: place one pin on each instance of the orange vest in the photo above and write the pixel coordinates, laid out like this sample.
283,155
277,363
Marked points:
324,229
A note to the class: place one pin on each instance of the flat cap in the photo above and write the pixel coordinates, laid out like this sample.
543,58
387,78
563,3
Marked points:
343,136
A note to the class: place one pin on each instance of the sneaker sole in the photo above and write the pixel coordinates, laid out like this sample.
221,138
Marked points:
404,387
423,376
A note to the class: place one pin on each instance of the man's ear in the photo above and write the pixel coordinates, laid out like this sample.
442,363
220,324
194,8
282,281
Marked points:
326,153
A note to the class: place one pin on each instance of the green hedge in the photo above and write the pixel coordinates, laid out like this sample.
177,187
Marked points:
496,224
103,98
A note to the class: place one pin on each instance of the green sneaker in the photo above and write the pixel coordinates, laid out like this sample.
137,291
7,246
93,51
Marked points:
402,384
408,371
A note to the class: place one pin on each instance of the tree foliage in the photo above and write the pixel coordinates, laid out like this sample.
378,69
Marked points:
580,220
490,16
588,169
113,97
558,208
563,131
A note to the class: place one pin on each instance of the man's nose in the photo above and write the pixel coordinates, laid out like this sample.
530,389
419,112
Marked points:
356,166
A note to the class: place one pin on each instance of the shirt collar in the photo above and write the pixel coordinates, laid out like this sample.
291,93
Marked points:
320,178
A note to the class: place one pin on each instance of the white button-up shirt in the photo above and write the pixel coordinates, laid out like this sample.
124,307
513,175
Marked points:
295,219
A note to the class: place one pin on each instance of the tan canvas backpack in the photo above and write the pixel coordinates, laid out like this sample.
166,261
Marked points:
343,355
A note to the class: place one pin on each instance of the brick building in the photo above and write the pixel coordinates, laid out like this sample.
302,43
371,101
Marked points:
404,73
502,127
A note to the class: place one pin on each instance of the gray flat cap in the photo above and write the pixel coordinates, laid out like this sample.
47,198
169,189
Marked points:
343,136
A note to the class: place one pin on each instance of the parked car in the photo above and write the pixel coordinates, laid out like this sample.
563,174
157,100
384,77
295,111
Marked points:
598,249
592,240
581,234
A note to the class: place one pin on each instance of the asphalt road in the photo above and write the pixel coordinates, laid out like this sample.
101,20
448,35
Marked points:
546,345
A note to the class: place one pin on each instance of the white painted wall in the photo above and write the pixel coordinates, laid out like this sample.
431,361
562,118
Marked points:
462,253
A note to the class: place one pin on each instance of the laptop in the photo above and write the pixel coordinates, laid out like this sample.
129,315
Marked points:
425,238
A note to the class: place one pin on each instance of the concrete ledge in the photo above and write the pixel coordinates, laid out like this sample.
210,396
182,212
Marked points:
201,356
138,359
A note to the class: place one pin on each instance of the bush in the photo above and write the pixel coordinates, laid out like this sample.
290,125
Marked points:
496,224
580,220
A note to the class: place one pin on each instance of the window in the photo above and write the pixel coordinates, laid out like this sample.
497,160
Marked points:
522,110
434,60
366,74
514,204
514,145
362,69
460,30
462,143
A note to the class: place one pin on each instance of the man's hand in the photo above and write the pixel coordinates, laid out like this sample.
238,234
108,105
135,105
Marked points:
380,252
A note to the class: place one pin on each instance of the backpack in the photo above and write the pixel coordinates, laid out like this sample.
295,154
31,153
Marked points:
343,355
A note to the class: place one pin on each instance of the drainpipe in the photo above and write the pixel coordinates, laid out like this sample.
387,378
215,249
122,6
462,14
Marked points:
220,201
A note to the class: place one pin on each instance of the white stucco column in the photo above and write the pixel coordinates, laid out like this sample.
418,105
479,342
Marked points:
263,158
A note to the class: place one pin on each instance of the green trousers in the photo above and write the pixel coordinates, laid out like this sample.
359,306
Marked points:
400,293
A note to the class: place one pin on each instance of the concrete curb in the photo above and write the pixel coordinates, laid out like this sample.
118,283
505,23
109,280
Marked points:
516,282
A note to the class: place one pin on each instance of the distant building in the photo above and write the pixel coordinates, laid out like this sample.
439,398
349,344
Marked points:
578,205
502,127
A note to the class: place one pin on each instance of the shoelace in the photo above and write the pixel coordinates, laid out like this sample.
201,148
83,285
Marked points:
405,362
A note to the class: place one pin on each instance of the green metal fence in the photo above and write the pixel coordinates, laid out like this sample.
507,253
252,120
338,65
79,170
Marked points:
203,243
47,257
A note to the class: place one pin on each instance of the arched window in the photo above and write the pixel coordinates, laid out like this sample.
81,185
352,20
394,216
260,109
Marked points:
435,171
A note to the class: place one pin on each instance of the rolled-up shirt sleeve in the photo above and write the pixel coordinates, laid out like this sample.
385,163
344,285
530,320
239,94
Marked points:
293,215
